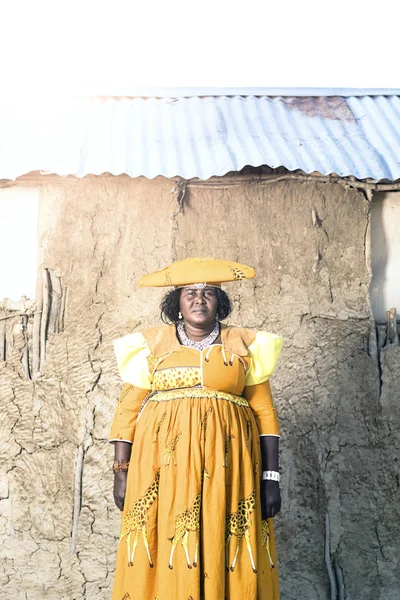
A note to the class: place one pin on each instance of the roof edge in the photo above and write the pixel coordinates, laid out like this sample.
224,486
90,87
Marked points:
186,92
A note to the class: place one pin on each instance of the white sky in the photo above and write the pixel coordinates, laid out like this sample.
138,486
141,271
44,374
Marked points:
109,47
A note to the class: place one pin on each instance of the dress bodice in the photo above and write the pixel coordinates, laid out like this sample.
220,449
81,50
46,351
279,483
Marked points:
154,359
154,365
212,368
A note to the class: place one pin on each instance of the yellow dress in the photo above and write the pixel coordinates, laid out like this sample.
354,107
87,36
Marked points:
191,525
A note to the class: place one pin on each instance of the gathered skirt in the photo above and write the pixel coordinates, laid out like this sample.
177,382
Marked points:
191,525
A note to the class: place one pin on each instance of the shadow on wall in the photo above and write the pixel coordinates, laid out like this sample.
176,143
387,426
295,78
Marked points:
330,450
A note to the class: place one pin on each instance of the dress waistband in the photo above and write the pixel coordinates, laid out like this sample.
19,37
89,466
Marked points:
181,394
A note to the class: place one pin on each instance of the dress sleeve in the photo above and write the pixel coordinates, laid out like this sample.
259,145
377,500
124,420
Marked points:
263,353
131,352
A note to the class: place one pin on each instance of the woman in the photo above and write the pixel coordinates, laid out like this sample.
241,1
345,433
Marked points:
196,447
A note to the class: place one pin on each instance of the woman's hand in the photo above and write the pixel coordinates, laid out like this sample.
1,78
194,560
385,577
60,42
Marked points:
120,488
269,492
122,453
270,498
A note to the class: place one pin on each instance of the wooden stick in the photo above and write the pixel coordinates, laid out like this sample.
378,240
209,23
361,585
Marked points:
44,320
57,287
339,579
14,315
55,304
25,351
36,330
77,497
2,341
328,562
392,326
62,310
273,178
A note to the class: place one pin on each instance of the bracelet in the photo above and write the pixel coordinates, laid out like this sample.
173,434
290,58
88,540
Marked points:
120,466
271,476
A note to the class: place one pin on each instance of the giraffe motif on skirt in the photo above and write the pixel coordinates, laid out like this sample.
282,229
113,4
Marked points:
204,422
238,524
185,522
227,443
265,540
169,451
157,431
135,520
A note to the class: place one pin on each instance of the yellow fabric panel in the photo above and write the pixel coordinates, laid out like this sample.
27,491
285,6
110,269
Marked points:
131,352
264,353
176,377
259,398
223,371
186,357
125,417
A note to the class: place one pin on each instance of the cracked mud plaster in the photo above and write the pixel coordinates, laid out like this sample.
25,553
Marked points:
339,443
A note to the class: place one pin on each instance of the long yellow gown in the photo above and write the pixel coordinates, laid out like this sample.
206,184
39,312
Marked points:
191,525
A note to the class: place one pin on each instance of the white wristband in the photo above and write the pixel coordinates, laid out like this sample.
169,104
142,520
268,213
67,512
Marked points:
271,476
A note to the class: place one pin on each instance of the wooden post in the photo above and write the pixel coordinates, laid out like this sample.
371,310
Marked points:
25,351
37,317
55,303
77,497
2,338
328,560
393,336
62,310
339,579
44,319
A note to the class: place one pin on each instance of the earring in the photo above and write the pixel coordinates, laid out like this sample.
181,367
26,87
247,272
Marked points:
180,316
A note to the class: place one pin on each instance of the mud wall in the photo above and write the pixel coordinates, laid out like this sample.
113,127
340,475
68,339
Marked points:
338,533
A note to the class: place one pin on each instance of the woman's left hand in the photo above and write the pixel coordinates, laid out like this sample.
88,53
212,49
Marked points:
270,498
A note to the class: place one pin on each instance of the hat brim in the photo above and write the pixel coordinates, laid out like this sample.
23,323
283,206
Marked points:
198,270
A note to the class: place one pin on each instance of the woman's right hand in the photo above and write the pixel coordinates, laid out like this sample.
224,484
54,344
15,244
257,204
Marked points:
120,488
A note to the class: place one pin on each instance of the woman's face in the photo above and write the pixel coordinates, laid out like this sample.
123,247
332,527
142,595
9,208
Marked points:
198,307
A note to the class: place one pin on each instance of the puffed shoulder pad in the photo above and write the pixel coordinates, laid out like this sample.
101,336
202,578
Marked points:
237,339
264,353
131,352
161,340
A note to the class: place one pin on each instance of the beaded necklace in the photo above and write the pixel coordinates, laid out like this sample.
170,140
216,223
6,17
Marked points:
210,339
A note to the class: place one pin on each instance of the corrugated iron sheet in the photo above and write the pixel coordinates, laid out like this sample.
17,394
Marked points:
201,136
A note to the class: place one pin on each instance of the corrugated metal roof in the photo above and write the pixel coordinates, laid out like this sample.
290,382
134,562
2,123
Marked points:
185,92
201,136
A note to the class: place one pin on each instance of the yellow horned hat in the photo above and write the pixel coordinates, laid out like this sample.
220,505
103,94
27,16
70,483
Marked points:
210,271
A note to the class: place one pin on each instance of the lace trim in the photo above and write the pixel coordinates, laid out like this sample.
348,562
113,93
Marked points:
165,396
